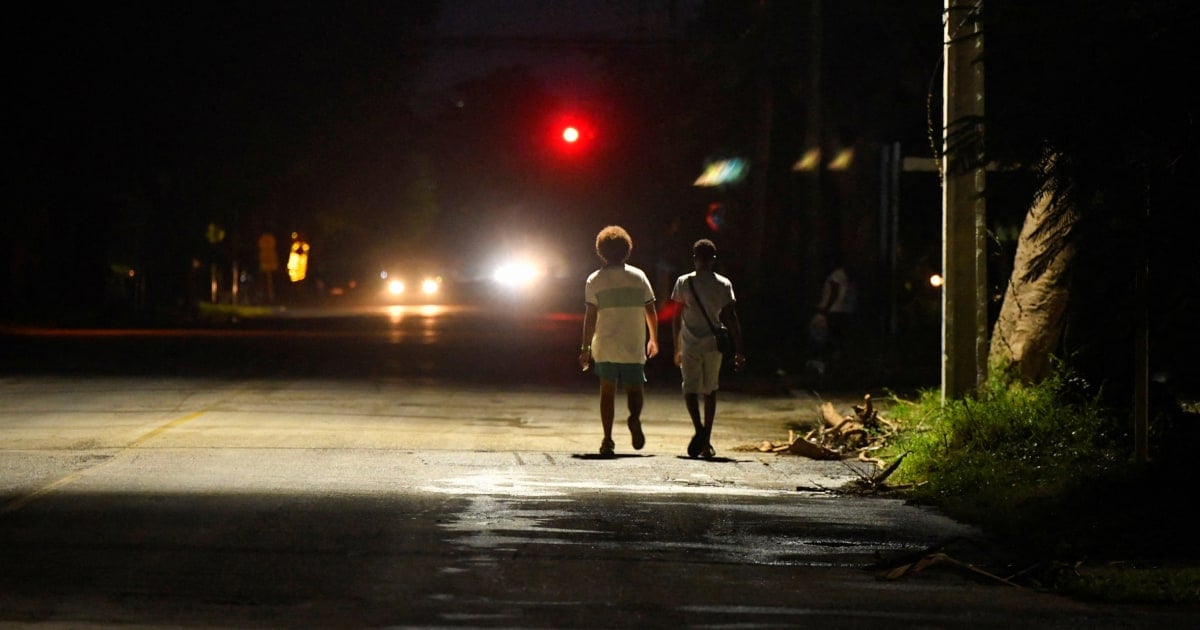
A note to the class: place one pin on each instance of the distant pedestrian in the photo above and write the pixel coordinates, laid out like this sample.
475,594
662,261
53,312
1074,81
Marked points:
620,331
706,301
838,305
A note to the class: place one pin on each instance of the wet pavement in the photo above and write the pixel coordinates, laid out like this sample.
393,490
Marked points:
307,503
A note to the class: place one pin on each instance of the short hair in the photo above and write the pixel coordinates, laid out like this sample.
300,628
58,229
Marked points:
613,244
704,249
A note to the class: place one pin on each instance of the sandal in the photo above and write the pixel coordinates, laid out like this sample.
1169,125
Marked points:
709,452
608,448
695,446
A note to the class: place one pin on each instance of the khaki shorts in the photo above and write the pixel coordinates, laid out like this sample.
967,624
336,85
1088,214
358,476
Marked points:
701,372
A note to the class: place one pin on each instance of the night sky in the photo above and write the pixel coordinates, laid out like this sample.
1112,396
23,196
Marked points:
206,86
546,20
220,79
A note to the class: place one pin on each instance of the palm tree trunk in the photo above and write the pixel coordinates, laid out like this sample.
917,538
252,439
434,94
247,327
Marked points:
1030,323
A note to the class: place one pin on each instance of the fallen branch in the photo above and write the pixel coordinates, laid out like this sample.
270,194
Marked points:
881,477
837,436
936,559
812,450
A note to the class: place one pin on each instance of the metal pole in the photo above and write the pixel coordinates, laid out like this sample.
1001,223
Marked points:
813,114
1141,352
889,231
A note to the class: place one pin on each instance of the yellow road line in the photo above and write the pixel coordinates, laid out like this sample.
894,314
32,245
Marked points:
19,502
153,433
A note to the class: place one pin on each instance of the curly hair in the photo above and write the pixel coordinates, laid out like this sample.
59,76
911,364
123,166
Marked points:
613,245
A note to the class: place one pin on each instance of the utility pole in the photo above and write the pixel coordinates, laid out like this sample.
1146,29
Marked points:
964,210
816,226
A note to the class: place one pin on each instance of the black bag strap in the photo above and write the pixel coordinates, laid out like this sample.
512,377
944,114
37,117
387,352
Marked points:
700,303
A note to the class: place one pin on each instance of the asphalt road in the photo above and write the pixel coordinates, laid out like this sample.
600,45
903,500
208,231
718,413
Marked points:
217,497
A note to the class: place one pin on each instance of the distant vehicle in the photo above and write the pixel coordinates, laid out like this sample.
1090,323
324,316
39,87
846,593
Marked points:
411,283
534,279
519,274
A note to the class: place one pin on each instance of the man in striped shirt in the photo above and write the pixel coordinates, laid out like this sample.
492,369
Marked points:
620,331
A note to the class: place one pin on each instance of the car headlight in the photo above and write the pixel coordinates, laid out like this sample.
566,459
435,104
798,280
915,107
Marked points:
430,286
518,274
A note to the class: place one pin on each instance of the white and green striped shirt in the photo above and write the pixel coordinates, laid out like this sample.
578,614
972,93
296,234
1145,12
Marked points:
620,295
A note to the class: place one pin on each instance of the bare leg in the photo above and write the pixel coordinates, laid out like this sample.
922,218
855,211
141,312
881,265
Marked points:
635,399
692,402
699,440
608,394
710,411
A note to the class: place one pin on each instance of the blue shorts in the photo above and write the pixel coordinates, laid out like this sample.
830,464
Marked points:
627,374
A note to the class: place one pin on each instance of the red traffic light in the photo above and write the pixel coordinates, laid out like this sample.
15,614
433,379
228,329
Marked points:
573,133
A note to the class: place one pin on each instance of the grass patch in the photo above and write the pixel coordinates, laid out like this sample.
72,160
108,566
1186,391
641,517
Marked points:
1122,584
1047,472
226,311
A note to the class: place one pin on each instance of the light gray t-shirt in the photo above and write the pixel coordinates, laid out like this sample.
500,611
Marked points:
717,292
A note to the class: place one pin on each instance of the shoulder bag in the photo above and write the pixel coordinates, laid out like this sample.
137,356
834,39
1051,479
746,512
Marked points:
724,338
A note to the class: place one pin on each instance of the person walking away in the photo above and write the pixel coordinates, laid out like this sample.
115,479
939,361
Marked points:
703,298
619,310
839,301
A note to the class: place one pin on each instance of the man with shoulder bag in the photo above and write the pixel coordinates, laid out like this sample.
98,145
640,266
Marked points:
705,329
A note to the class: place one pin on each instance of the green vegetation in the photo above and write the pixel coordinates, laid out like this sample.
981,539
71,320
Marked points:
222,312
1048,474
